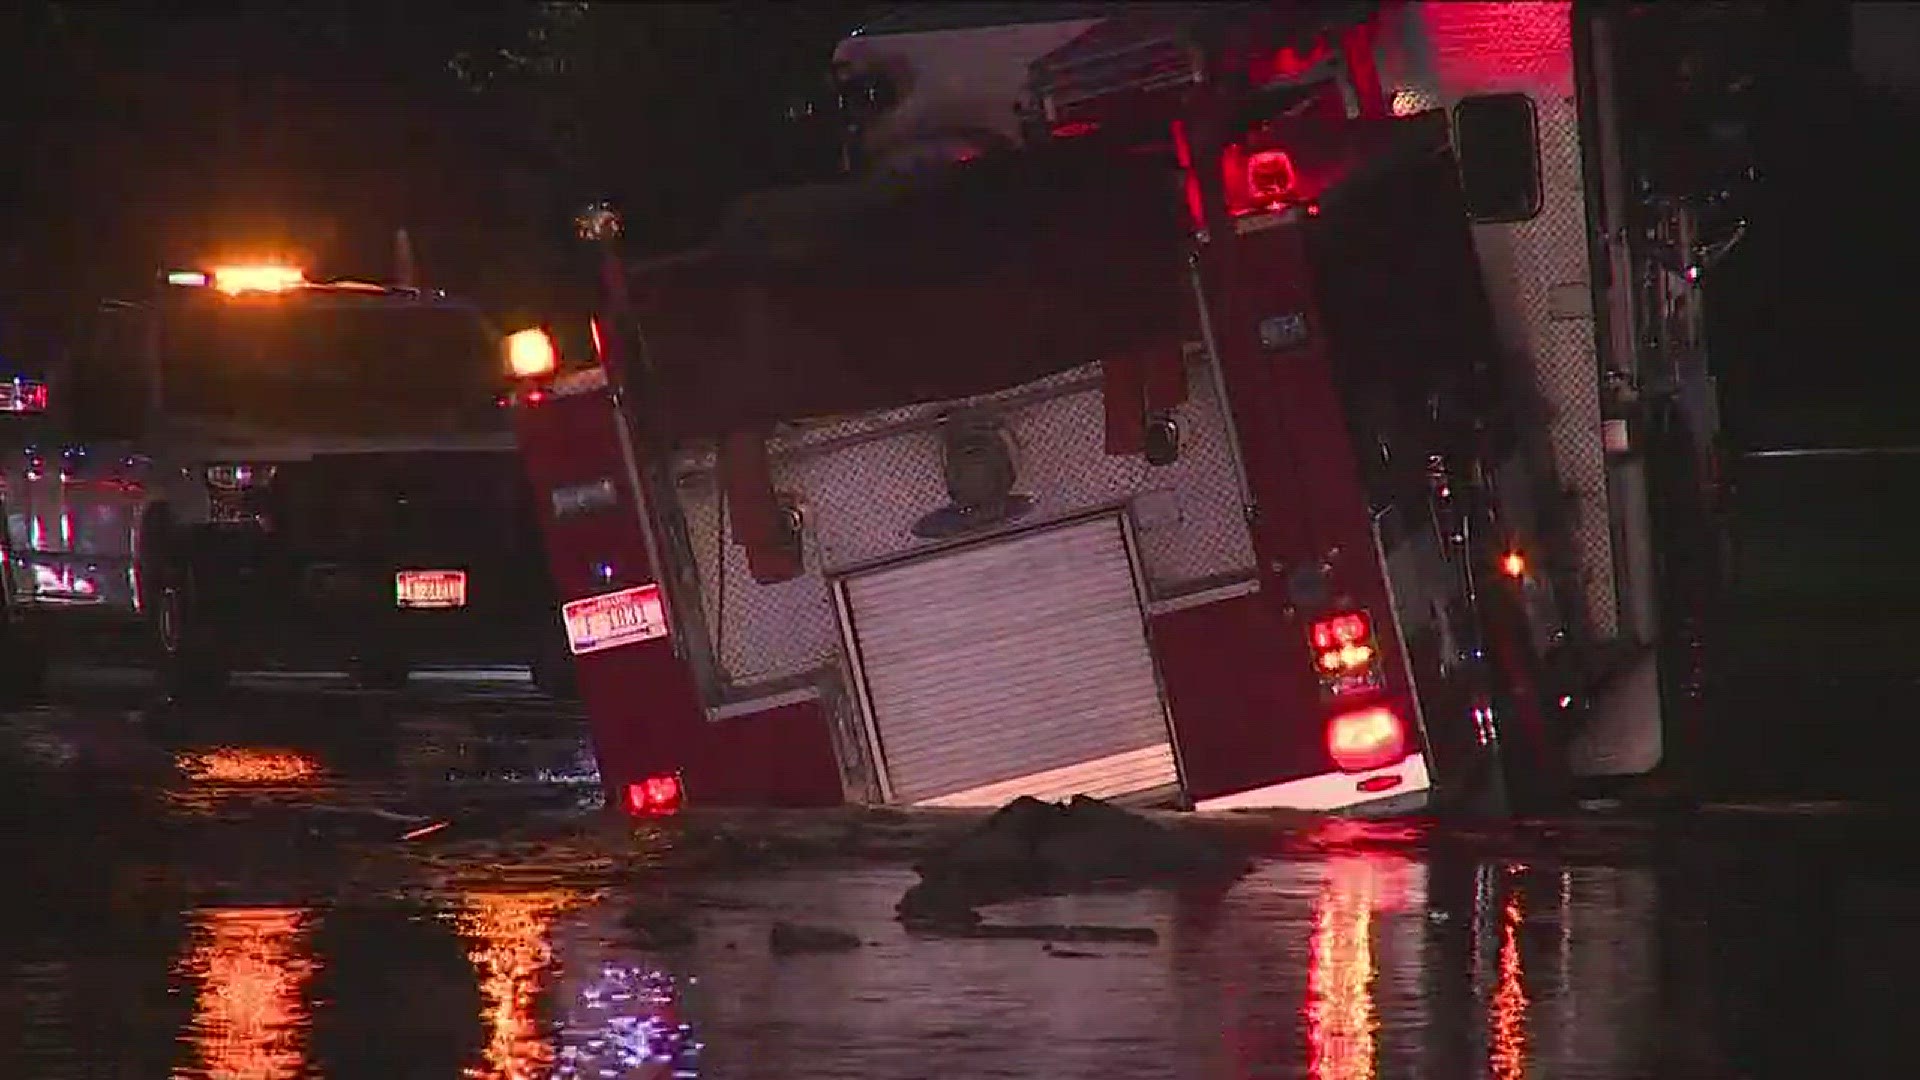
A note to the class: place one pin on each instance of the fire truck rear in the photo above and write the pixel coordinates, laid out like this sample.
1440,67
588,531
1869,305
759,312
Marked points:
1254,417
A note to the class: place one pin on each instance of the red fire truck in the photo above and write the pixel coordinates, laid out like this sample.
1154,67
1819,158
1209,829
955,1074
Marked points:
1217,406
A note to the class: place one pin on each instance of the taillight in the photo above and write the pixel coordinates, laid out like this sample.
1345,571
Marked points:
656,796
1257,181
1369,738
1345,654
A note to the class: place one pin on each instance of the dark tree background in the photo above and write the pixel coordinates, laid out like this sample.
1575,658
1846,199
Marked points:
138,135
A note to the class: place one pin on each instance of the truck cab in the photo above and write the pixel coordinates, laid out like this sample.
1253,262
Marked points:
251,468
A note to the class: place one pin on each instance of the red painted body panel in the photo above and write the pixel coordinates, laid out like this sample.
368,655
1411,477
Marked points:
1239,677
643,709
1239,723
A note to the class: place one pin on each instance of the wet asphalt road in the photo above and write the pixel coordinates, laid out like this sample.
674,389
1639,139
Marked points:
313,881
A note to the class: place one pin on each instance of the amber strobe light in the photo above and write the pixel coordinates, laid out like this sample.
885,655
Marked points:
531,353
234,280
1368,738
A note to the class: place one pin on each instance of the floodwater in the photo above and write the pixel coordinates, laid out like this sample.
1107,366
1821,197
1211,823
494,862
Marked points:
321,883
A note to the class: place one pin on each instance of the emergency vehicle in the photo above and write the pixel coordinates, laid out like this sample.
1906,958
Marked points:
1209,405
23,424
249,467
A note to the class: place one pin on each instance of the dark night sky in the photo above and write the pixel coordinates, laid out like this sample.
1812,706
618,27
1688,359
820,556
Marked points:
137,136
140,136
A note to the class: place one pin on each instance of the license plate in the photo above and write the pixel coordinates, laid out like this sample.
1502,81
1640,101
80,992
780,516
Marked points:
616,618
430,588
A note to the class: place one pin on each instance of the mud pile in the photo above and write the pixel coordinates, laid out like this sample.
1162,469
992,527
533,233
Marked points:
1034,848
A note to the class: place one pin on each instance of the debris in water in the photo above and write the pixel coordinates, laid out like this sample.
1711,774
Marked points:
1035,848
788,939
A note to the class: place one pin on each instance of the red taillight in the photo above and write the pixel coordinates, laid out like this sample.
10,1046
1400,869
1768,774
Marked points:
655,796
1346,628
1344,652
1369,738
1257,181
1270,175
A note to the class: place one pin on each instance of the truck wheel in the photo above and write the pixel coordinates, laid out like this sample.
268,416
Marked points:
190,659
553,671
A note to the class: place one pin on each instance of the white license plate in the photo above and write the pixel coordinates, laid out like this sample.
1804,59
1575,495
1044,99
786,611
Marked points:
430,588
616,618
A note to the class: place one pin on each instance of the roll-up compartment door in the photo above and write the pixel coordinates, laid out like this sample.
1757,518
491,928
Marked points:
1017,666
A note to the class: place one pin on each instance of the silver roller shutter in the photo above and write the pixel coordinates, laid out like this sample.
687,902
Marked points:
1013,667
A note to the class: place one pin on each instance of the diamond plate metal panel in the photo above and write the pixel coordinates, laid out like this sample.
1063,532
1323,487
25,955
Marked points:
862,482
765,632
1550,250
865,497
1438,53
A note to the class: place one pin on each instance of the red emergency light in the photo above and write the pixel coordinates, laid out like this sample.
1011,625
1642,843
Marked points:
1344,652
1258,181
1368,738
656,796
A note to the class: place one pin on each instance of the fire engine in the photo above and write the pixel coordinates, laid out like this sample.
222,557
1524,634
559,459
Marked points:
252,468
1214,406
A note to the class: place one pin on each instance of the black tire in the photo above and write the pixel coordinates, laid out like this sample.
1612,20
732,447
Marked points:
553,672
190,660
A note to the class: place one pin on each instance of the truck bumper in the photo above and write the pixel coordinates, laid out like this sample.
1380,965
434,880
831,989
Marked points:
279,605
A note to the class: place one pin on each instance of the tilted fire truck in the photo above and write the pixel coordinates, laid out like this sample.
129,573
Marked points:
1218,406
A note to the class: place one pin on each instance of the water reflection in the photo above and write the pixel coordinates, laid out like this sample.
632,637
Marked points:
1339,1007
513,954
626,1022
1507,1008
249,966
247,765
619,1014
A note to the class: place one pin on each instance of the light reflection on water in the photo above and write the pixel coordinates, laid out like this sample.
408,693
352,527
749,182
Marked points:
512,954
1507,1010
248,765
248,967
1339,967
1339,1007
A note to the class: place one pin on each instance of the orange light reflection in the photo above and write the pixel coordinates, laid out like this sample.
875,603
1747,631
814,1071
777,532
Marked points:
1507,1010
249,1019
513,954
1339,1007
248,765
